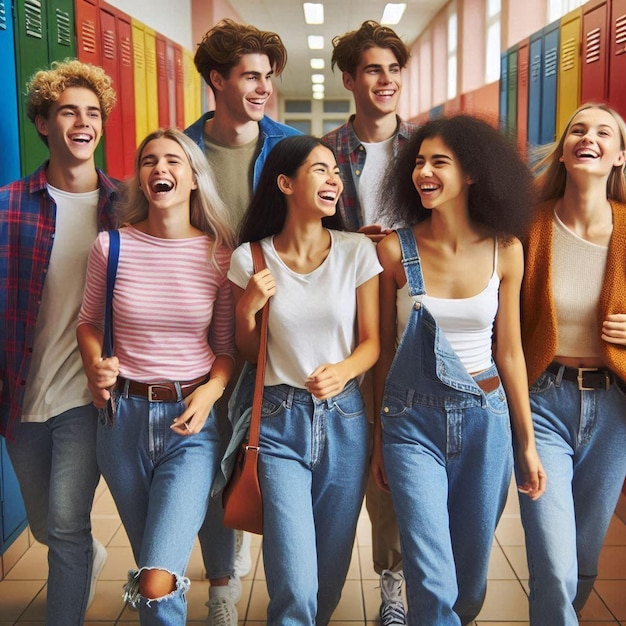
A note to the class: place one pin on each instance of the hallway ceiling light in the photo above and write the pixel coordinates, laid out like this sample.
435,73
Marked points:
317,64
316,42
393,13
313,12
317,78
317,88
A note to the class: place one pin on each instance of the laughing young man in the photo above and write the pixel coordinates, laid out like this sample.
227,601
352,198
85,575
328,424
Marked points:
371,60
238,62
48,222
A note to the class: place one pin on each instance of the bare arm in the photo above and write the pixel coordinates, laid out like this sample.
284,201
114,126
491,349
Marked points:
511,365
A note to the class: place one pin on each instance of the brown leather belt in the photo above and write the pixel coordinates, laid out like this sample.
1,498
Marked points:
588,378
489,384
165,391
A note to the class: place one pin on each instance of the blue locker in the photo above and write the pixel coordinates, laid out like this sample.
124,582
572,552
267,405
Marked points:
551,35
13,514
534,88
436,111
504,90
10,153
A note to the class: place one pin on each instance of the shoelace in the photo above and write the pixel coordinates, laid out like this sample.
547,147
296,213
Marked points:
392,613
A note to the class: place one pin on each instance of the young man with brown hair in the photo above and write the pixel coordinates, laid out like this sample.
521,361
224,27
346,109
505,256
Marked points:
371,59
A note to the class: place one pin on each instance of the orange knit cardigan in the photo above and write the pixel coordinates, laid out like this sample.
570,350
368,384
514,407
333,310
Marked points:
538,310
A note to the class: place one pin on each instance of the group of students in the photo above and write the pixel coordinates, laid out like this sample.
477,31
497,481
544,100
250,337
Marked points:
474,296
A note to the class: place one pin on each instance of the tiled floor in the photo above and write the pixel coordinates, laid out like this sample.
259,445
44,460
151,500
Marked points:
23,591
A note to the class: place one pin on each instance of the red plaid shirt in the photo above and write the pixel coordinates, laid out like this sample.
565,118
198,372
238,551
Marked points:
350,154
27,226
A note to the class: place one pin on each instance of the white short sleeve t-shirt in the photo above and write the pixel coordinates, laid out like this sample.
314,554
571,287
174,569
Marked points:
312,316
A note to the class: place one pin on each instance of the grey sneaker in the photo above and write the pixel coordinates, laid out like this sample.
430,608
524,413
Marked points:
222,611
391,608
99,558
243,560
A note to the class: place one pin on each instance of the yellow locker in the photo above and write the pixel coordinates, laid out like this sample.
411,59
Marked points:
568,91
191,95
152,93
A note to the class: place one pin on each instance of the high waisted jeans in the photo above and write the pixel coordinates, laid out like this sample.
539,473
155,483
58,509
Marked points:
448,456
581,440
312,470
160,482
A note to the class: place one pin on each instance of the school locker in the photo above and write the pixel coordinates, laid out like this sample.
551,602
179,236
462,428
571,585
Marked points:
162,82
139,80
550,64
511,88
179,77
152,93
436,112
568,94
535,64
61,43
12,511
504,90
190,75
126,93
522,94
617,63
171,81
10,153
595,52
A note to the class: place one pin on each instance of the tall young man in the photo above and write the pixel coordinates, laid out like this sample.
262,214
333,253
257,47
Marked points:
371,60
238,62
48,222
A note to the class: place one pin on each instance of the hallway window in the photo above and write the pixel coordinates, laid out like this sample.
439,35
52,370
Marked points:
453,37
558,8
492,61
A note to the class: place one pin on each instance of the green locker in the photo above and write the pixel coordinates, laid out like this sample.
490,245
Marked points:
61,40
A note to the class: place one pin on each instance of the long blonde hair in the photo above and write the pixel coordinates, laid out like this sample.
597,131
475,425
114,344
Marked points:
207,212
551,173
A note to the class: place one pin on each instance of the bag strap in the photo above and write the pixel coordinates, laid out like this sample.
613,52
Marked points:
114,255
255,420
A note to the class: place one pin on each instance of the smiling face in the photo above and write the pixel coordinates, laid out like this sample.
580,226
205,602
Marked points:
73,127
316,186
165,174
438,176
247,89
376,84
592,144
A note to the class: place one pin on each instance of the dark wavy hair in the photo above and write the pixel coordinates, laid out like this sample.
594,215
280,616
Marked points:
268,208
501,196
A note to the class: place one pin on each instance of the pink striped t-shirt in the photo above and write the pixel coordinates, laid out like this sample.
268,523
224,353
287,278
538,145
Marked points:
172,309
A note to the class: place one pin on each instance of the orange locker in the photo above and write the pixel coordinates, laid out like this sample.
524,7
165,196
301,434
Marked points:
87,32
179,77
595,49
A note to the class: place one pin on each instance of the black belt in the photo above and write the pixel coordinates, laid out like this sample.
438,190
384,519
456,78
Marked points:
588,378
159,392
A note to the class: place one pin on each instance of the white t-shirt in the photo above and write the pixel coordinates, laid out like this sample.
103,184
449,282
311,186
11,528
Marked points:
312,316
56,379
378,157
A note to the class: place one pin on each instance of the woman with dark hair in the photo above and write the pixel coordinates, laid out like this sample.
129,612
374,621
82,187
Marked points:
173,356
322,335
574,337
449,292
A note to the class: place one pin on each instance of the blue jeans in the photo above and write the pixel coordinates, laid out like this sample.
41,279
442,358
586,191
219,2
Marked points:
312,470
160,482
55,463
448,456
581,440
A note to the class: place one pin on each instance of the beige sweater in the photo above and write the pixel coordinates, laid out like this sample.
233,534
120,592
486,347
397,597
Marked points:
539,322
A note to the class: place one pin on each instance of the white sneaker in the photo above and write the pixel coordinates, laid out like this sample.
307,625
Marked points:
222,611
391,608
243,560
234,585
99,559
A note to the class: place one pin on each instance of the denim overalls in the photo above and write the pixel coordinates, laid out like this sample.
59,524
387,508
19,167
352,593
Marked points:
448,457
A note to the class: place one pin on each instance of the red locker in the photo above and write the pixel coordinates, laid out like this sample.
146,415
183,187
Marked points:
617,63
523,57
171,81
126,92
179,77
595,65
162,82
88,47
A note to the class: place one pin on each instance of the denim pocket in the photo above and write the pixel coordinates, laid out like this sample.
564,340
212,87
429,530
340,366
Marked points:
542,384
497,402
350,406
271,409
393,406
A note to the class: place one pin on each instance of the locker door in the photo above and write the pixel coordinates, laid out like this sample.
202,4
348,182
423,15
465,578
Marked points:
171,81
31,53
511,97
535,63
617,64
152,92
522,94
190,74
569,68
504,90
12,513
549,82
114,147
139,72
595,54
10,153
180,87
126,92
61,44
162,82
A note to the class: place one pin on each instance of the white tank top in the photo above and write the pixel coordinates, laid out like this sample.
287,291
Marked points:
467,323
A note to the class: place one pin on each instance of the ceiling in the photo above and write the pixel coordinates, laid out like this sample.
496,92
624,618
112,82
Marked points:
286,17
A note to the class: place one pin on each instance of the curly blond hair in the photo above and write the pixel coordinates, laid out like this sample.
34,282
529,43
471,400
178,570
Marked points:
46,86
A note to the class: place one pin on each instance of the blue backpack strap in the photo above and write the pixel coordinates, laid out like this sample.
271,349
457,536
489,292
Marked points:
114,255
411,263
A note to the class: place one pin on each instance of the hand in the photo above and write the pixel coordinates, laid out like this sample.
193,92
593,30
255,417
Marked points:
614,329
533,476
260,288
326,381
101,376
377,465
374,232
199,404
